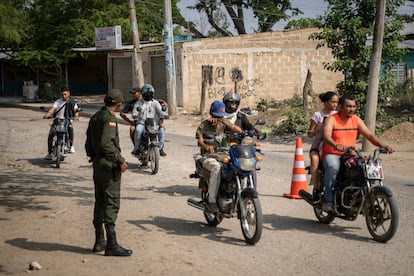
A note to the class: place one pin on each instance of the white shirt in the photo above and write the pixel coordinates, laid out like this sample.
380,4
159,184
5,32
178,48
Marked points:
147,109
58,104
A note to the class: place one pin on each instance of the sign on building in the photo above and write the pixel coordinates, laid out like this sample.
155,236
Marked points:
108,38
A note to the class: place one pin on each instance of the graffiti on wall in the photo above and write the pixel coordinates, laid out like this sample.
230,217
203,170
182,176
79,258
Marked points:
221,80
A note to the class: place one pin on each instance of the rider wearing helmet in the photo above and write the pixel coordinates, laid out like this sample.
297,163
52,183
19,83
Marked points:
145,108
232,101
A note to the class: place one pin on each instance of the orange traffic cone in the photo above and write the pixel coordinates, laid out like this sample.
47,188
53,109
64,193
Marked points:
299,174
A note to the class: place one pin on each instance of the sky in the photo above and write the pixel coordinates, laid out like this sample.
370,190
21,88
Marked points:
310,9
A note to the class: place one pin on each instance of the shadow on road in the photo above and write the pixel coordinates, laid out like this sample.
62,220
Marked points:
21,191
286,223
175,226
23,243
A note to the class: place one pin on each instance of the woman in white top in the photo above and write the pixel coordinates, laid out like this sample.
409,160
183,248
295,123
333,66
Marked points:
330,101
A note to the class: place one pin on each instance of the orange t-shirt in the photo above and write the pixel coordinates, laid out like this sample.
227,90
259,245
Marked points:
344,133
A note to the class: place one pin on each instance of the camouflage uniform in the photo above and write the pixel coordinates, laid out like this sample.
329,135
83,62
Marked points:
210,161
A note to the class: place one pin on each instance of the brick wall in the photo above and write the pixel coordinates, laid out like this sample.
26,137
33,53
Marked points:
272,65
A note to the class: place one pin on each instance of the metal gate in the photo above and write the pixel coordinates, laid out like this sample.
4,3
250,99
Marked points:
122,74
158,77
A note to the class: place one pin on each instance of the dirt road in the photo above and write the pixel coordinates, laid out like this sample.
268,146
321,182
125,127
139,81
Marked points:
46,213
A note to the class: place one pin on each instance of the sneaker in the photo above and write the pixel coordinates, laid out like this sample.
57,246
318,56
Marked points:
49,156
327,207
72,149
163,153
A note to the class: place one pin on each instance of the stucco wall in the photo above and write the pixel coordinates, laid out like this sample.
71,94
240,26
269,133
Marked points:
273,65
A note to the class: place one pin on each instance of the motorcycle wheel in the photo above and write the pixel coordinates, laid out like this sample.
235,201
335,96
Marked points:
382,216
58,155
322,216
154,159
252,224
211,218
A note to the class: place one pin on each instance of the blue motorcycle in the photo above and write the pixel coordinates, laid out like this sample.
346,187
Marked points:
237,195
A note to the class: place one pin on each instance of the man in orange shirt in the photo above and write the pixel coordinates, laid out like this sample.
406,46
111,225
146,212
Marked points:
339,132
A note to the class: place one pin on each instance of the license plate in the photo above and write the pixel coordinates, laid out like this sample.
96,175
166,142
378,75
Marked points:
374,170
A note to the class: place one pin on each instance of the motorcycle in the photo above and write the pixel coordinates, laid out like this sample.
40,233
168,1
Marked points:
237,195
149,149
359,189
60,143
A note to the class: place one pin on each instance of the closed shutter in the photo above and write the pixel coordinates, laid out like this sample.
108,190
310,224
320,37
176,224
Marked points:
158,77
122,75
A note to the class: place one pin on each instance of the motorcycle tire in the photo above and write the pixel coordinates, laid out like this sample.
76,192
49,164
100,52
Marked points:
211,218
154,159
323,217
252,224
58,155
382,216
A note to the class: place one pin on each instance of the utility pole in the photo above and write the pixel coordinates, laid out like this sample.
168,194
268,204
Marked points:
169,58
374,72
138,80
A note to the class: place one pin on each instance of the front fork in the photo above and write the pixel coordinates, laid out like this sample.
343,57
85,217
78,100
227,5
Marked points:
244,185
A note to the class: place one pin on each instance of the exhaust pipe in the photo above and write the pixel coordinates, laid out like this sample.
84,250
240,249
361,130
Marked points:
196,204
307,197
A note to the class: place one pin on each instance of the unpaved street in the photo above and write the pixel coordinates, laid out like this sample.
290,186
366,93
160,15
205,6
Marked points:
46,214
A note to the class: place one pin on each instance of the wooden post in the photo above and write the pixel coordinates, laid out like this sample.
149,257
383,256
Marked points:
305,91
374,72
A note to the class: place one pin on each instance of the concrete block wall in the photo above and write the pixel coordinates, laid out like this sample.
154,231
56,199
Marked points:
272,65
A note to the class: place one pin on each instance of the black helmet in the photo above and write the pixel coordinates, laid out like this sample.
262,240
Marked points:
147,92
231,97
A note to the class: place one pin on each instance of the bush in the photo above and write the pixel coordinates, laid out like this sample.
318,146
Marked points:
296,123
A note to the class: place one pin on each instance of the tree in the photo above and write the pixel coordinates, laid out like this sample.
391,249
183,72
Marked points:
267,13
303,23
12,26
347,27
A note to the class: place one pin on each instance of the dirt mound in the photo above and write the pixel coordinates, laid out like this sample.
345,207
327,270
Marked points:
400,133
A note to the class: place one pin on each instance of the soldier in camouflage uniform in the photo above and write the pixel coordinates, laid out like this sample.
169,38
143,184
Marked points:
102,147
218,126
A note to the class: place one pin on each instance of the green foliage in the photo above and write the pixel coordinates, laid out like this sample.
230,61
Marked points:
346,27
12,25
295,101
303,23
267,13
50,91
296,123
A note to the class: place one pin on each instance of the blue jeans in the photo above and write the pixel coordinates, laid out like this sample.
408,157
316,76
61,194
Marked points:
331,164
161,137
139,130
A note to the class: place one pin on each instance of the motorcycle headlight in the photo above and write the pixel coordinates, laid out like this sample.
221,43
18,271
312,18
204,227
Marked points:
153,129
246,164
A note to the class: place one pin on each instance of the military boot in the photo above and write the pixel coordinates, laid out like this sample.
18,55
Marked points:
113,248
100,242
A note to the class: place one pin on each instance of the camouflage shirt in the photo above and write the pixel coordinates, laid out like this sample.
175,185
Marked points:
219,132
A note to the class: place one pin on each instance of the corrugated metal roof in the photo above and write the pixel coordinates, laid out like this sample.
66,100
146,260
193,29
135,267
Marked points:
146,46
